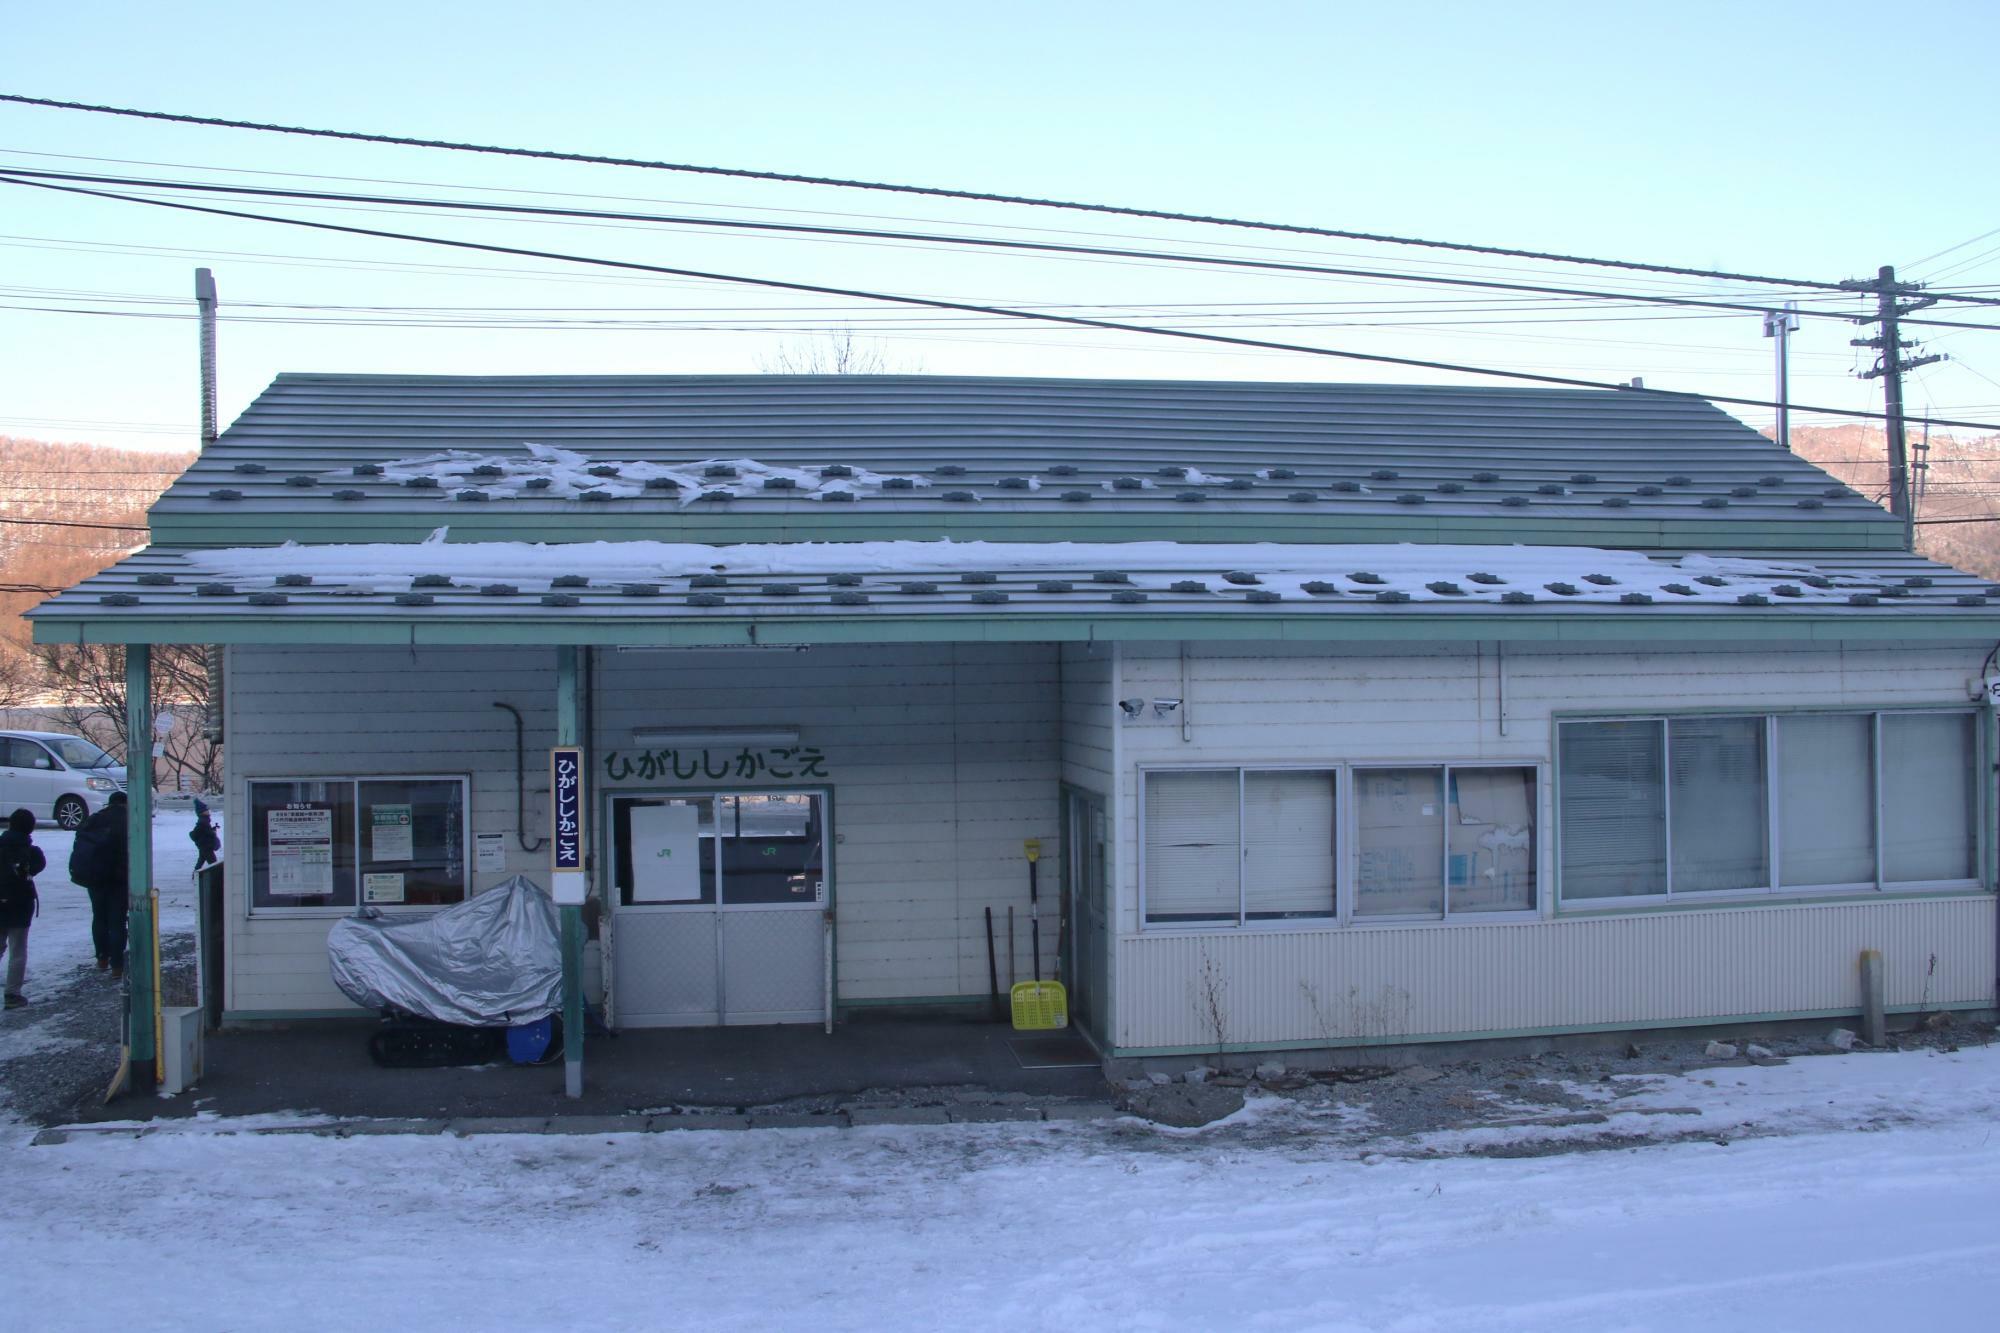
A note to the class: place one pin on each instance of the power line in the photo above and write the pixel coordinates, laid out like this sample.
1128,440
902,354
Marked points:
26,175
728,224
934,303
1952,249
975,196
74,523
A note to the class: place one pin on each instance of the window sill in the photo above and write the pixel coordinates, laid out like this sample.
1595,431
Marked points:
1322,925
1787,898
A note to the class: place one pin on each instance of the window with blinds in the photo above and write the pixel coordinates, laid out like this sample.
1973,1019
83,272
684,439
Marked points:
1194,846
1654,807
1288,844
1232,845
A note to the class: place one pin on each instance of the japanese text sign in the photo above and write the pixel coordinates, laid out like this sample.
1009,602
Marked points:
566,807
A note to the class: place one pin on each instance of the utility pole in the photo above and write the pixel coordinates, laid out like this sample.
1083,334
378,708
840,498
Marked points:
1781,324
1889,367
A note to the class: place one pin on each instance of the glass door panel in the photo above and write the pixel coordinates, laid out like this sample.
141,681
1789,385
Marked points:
773,849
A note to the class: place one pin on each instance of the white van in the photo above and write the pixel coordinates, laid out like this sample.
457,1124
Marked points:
59,777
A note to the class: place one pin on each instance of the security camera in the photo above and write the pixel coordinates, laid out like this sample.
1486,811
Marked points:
1162,707
1132,707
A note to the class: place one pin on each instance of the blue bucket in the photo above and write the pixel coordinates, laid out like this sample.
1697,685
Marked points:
527,1043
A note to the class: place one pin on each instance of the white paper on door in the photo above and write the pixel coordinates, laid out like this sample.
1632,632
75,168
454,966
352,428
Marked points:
666,854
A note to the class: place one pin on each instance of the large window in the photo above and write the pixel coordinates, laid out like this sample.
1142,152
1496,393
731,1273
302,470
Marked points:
1234,845
1256,846
333,842
1666,807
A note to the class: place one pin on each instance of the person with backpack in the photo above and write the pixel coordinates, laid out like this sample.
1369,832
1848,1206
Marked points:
97,863
20,862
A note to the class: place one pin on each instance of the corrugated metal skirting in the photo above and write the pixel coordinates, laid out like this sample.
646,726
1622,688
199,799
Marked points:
1368,984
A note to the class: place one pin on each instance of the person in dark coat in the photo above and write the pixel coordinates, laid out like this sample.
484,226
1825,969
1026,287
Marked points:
98,864
20,862
207,842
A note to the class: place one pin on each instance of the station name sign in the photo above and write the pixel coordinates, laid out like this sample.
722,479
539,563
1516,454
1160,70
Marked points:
566,807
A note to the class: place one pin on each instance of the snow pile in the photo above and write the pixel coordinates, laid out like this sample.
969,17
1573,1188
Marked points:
563,474
1420,572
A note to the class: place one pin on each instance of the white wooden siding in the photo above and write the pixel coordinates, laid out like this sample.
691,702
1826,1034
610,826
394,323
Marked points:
1303,704
305,712
941,760
1089,707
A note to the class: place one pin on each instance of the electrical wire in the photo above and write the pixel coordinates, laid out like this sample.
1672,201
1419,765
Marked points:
880,234
74,523
975,196
939,304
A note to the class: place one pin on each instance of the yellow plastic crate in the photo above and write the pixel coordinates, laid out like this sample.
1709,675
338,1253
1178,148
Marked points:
1040,1005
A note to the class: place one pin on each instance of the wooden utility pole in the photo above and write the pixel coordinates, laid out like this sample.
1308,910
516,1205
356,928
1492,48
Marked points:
1889,367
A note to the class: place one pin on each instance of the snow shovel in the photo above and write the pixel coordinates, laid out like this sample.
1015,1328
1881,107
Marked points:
1038,1005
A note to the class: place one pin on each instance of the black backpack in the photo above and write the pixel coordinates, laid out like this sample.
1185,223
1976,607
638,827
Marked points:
90,859
17,881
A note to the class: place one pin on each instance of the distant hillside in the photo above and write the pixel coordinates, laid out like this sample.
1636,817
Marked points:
68,483
1957,477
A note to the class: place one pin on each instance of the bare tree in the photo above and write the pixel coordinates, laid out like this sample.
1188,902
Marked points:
18,677
86,686
835,353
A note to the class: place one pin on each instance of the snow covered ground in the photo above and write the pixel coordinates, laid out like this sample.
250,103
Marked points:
1839,1192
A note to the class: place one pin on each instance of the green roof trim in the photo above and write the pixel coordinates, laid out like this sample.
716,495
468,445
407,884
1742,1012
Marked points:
1719,624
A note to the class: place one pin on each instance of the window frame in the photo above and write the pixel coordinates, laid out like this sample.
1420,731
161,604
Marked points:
1445,916
1776,890
1346,874
355,780
615,892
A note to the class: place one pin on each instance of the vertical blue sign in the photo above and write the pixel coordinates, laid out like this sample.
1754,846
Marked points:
566,806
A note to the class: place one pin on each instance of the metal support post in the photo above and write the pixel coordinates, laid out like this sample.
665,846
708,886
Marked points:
142,974
569,732
1781,324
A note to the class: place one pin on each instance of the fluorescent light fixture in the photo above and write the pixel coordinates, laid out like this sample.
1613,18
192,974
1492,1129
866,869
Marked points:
715,738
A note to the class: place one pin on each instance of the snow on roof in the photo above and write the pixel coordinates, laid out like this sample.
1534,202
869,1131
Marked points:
565,474
1418,572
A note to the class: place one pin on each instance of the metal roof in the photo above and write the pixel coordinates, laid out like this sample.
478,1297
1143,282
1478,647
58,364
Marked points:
330,457
171,595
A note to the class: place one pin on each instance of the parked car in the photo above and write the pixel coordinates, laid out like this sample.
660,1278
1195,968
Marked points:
59,777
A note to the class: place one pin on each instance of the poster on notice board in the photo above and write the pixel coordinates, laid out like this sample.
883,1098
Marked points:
299,838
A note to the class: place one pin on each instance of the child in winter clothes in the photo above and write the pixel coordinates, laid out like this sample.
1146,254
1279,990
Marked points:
206,838
20,862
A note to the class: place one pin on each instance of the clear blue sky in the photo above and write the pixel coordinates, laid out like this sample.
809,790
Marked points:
1769,138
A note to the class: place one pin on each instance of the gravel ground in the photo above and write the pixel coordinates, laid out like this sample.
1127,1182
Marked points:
1548,1089
76,1013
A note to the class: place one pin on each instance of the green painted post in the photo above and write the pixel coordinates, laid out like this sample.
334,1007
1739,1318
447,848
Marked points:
568,732
141,964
